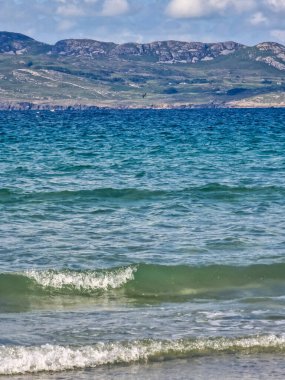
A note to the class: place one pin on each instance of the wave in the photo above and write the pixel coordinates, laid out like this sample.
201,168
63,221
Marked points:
212,190
7,195
65,281
152,281
54,358
83,281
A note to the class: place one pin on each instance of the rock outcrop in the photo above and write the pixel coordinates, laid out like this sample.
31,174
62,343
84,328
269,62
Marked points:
17,43
82,48
160,51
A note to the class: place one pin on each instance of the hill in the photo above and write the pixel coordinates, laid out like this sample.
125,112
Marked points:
80,73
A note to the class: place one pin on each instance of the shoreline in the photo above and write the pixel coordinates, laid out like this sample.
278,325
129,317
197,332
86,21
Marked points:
29,106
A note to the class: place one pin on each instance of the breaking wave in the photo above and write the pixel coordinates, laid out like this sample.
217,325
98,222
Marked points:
83,281
54,358
152,281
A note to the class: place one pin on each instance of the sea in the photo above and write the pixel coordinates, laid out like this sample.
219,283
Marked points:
145,244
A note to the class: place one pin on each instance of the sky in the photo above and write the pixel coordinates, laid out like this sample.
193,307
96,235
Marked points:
244,21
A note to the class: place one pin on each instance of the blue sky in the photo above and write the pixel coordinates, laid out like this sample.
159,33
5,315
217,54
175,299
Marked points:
245,21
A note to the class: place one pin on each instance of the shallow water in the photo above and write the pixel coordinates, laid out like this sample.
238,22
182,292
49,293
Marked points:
135,237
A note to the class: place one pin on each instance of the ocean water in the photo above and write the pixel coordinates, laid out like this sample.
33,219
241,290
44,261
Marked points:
142,244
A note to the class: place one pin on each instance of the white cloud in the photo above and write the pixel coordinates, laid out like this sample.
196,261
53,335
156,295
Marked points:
185,8
276,5
201,8
246,21
258,18
114,7
69,10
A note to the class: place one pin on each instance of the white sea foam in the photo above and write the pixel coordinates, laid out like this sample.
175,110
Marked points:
83,281
17,360
20,360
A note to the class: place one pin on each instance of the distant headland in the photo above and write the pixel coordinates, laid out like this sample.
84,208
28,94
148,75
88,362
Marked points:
84,73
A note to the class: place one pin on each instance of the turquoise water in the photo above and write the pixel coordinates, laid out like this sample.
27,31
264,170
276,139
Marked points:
136,237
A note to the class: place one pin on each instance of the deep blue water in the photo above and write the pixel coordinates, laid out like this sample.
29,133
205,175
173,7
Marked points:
129,235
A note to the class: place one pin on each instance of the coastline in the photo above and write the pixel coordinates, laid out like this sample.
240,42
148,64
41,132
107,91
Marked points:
64,106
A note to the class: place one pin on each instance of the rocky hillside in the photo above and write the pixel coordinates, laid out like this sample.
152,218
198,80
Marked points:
160,51
162,73
16,43
271,53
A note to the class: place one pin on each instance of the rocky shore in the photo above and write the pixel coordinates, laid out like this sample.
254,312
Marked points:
26,106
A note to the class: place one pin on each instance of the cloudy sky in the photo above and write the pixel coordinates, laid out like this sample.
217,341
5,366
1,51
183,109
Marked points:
246,21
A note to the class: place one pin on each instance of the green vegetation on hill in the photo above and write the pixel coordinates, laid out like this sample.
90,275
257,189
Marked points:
168,73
